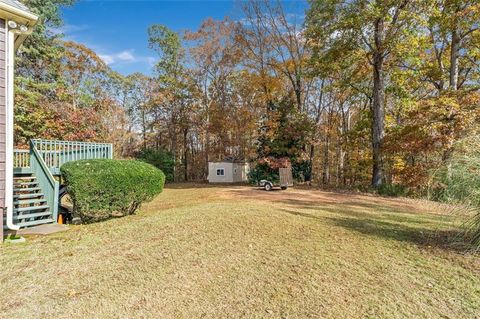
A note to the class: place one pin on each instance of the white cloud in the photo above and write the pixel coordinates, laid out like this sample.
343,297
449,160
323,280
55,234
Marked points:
122,56
68,29
108,59
126,56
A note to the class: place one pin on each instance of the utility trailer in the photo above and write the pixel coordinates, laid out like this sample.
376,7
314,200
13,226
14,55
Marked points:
285,180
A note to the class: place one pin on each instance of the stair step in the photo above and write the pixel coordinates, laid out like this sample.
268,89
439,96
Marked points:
26,189
30,208
32,215
29,201
25,196
36,222
25,183
16,178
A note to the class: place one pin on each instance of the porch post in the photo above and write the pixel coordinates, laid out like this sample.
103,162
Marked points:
10,56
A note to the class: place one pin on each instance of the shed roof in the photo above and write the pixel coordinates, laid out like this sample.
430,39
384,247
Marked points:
230,161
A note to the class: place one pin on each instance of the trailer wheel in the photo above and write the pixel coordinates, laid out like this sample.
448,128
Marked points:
284,188
268,187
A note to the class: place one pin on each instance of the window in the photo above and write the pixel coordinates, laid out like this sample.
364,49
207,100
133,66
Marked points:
220,172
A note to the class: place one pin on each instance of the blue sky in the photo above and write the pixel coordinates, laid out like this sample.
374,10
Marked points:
117,30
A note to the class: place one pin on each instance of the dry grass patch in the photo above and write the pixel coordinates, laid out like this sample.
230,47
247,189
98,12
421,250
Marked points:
235,252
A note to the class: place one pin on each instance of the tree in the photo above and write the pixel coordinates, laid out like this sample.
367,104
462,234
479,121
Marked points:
374,27
274,40
216,57
173,100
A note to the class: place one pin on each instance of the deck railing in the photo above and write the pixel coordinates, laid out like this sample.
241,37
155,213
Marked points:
57,153
21,158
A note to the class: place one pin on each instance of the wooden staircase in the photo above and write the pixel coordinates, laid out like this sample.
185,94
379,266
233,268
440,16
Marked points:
30,204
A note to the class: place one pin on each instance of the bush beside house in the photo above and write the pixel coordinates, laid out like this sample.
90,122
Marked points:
103,188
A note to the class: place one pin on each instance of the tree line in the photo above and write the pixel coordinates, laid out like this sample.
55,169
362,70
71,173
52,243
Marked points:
354,93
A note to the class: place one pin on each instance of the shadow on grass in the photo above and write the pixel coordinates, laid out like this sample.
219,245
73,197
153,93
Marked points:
384,229
385,213
448,239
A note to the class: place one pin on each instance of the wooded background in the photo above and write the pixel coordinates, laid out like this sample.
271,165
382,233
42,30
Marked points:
354,93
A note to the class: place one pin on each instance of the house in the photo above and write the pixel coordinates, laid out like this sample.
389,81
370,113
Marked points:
228,171
30,190
16,22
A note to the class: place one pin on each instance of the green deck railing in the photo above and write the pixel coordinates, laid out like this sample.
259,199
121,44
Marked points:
57,153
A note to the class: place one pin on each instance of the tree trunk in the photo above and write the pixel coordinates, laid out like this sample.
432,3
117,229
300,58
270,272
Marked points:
298,93
144,129
326,162
310,162
317,122
455,47
207,132
173,136
326,151
346,118
378,124
454,50
185,154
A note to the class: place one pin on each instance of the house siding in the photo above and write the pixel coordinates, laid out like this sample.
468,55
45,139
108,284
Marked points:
2,120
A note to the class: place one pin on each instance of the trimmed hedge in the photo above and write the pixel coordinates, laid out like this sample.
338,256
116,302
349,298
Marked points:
101,189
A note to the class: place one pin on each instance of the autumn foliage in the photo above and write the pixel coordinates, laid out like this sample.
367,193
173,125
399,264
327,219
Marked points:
352,95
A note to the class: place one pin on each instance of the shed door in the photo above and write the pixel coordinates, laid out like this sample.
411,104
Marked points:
286,178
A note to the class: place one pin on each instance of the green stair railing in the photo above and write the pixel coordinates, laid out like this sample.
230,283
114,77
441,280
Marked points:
49,185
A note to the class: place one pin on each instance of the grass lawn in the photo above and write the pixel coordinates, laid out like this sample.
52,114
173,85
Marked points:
231,252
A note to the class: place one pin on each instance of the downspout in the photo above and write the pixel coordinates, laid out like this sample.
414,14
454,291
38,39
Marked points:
10,84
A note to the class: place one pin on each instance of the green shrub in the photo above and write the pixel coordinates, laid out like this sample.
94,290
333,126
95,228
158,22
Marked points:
263,171
161,159
268,168
101,189
301,171
394,190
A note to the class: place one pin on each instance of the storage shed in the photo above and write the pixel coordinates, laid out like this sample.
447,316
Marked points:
228,172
